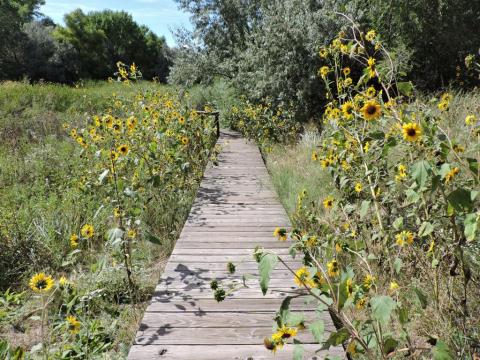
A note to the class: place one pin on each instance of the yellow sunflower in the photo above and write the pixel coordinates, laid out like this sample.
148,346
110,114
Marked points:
113,155
280,234
404,236
324,70
358,187
41,283
346,71
333,268
123,149
73,324
451,174
302,277
184,140
87,231
470,120
328,202
347,110
411,131
371,35
74,240
369,281
371,110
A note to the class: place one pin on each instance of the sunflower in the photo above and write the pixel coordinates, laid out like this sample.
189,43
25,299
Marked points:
302,277
371,35
361,303
117,127
73,324
470,120
184,140
87,231
371,110
181,120
131,233
323,53
117,212
451,174
113,155
314,156
41,283
347,110
368,281
349,287
131,123
74,240
108,120
346,71
411,131
324,70
73,133
333,269
284,333
358,187
347,82
371,92
404,236
123,149
394,286
63,281
280,234
328,202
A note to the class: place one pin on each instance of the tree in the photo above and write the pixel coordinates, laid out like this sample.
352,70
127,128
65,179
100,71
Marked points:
101,39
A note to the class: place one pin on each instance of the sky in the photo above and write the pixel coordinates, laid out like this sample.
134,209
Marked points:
161,16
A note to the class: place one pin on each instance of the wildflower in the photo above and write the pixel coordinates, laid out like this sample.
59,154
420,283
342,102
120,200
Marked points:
431,247
458,148
371,92
445,102
338,248
326,162
371,35
470,120
302,277
361,303
184,140
358,187
63,281
402,172
311,242
280,234
113,155
371,67
369,281
324,70
284,333
41,283
328,202
108,120
366,147
123,149
451,174
181,120
73,324
394,286
270,344
131,123
131,233
314,156
87,231
346,71
345,165
74,240
349,287
347,82
117,212
443,106
73,133
404,236
333,269
323,53
352,349
371,110
411,131
347,110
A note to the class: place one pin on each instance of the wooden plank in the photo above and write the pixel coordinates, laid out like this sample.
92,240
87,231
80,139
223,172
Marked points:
226,352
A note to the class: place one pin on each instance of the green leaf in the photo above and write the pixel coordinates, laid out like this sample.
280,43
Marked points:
389,345
441,351
298,351
397,265
470,223
336,338
153,239
425,229
473,165
412,196
421,297
364,208
405,88
317,329
420,172
265,267
403,315
460,200
398,223
382,307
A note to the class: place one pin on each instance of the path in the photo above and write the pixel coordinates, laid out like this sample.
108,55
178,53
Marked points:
235,210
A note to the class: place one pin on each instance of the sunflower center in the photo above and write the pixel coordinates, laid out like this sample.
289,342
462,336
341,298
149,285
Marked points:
411,132
41,284
371,109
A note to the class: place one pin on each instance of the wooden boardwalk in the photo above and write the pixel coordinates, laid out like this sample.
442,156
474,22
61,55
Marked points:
236,209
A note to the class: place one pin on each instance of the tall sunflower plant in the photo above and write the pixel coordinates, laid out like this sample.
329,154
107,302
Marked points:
396,241
137,151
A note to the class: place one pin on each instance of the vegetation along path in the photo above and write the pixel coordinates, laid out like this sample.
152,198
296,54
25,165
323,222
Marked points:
235,210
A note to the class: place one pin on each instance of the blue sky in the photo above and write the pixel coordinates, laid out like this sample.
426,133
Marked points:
159,15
